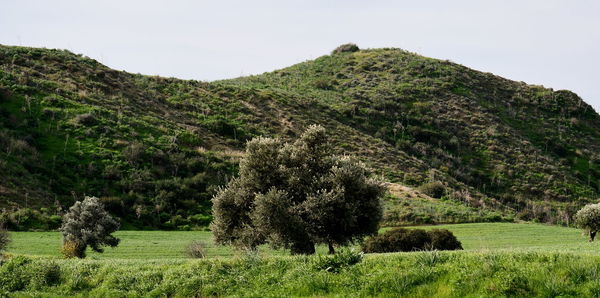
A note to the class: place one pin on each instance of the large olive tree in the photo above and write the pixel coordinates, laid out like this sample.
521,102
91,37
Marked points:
588,218
87,224
296,195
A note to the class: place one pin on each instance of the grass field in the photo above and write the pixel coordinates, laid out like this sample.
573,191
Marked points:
171,244
500,259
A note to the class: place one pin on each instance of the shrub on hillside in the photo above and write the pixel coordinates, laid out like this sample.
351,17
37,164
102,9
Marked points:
401,239
87,224
346,48
433,189
86,119
588,218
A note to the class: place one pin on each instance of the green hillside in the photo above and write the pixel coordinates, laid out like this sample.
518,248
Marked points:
155,149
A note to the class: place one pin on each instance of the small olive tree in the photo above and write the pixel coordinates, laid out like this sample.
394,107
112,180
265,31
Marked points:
588,218
295,196
87,224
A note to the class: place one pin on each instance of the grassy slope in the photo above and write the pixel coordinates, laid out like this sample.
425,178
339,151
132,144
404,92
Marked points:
500,260
157,147
170,245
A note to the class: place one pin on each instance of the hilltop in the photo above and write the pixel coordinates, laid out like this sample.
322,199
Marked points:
155,149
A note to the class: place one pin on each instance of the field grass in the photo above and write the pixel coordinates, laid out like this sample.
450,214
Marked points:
500,259
171,244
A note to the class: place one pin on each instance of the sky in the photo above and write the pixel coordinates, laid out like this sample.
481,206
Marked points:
555,43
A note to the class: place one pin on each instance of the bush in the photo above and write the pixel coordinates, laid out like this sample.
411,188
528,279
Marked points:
401,239
13,274
195,250
433,189
86,119
73,249
338,261
346,48
87,224
588,218
27,219
442,239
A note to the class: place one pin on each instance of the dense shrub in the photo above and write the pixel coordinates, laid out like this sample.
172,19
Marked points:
588,218
87,224
13,274
433,189
401,239
20,273
442,239
397,240
195,250
349,47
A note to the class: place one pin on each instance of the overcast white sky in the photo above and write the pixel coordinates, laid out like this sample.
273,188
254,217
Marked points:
548,42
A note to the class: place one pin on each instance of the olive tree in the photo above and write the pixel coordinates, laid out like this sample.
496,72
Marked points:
87,224
588,218
296,195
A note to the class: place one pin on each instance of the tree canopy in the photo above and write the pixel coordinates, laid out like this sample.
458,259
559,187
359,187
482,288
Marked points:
295,195
88,224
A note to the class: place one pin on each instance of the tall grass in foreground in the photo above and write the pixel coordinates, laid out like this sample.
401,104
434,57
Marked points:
440,274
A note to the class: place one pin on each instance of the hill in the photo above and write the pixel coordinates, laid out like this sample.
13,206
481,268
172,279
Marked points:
155,149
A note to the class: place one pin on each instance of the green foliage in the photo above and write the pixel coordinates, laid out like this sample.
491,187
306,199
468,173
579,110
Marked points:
410,210
401,239
433,189
398,239
588,218
295,195
443,239
348,47
27,219
338,261
87,224
514,148
423,274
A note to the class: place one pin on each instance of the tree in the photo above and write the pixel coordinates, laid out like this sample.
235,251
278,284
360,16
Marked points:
87,224
295,195
588,218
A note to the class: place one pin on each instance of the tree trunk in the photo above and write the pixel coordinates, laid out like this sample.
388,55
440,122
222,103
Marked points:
592,235
331,250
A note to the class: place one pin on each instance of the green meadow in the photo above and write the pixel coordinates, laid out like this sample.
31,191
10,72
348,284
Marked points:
171,244
500,259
